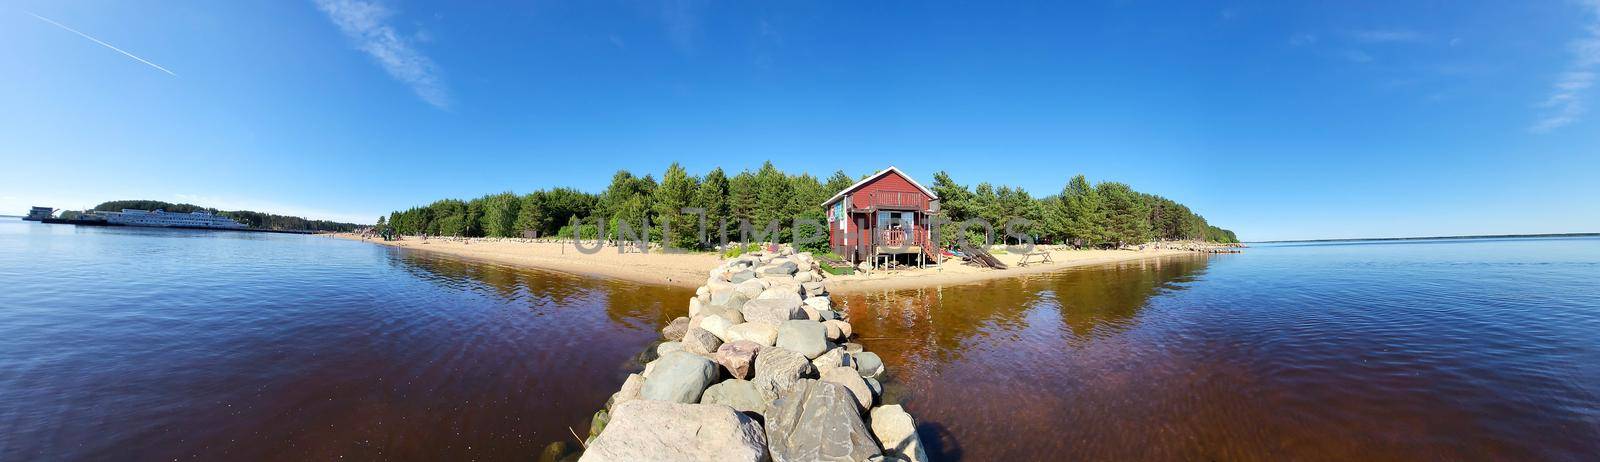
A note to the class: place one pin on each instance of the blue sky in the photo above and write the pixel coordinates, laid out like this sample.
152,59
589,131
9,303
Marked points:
1277,120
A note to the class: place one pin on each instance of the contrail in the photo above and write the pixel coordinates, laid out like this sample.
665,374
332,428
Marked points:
104,44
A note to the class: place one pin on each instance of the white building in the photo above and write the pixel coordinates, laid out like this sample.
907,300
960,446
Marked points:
160,218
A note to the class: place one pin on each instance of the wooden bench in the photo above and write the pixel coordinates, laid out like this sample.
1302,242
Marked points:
1044,257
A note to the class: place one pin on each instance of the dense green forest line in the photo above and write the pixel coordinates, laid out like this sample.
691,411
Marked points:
249,218
1083,214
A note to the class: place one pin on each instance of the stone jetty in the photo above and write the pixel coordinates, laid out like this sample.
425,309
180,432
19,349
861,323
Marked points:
761,369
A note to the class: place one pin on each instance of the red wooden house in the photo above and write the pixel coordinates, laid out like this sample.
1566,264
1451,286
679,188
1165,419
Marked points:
883,218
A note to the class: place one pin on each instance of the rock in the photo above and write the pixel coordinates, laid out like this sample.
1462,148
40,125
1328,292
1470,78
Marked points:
664,431
728,298
597,423
701,342
738,357
777,369
668,347
695,305
811,313
833,331
675,329
843,327
679,377
702,291
851,380
853,348
716,325
777,267
863,267
818,421
772,311
741,395
751,289
875,386
805,276
898,433
629,392
758,332
820,303
805,337
829,315
835,357
741,276
869,364
814,289
555,452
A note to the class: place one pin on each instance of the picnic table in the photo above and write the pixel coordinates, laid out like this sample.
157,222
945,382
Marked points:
1043,257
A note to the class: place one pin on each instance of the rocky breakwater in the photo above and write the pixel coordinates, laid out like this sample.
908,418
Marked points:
761,369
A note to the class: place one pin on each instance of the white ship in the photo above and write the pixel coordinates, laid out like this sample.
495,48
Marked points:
39,213
160,218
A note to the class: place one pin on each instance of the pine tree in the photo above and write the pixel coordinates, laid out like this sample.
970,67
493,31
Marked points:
713,197
1085,218
676,192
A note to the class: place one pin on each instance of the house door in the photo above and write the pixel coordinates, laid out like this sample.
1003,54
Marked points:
863,238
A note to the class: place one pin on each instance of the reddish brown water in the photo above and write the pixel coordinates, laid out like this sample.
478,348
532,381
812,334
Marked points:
1429,352
130,344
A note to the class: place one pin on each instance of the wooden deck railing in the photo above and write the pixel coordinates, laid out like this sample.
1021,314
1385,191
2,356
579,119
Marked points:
895,199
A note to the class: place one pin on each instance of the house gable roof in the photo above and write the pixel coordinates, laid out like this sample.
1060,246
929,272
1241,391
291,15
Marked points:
875,177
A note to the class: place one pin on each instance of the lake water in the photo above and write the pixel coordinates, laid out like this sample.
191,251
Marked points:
120,343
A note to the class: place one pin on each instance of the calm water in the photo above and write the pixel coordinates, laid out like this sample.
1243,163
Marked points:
149,344
1439,350
157,345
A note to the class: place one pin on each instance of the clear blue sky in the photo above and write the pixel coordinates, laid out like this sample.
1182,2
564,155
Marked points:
1277,120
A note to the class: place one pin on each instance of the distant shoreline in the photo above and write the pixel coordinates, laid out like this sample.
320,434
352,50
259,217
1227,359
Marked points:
690,269
1428,238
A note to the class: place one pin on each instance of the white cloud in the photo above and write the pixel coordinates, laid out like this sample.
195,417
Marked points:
367,24
1357,56
1302,39
1567,101
1386,35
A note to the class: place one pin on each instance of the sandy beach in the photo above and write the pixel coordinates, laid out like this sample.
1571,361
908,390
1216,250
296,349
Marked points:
689,269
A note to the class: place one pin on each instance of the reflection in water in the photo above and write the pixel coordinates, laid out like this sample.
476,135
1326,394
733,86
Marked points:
1281,354
165,345
997,362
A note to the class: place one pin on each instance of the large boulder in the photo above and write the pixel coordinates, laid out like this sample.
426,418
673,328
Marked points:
818,421
843,328
675,329
629,392
814,289
772,311
667,347
868,363
728,298
738,357
759,332
777,369
777,267
716,325
848,378
751,289
898,433
741,395
808,338
835,357
664,431
741,276
701,342
679,377
820,303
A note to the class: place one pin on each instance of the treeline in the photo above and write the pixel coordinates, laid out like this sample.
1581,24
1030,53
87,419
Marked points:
757,197
1105,214
252,219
